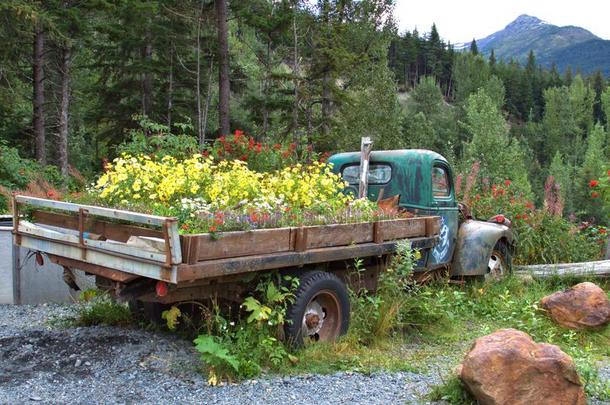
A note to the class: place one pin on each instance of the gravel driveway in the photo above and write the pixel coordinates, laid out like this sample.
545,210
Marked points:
40,363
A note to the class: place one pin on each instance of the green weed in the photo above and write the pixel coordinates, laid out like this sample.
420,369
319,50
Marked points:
101,309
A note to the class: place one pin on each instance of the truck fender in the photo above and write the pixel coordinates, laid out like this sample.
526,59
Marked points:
475,242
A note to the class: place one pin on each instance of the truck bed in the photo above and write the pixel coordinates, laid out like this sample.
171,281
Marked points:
123,246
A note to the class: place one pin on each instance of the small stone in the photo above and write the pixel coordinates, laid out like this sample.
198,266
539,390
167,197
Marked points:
77,363
35,398
87,363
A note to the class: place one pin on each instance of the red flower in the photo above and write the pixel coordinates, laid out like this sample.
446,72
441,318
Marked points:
212,228
529,205
218,221
244,158
259,148
222,139
507,183
293,146
238,133
285,153
205,153
608,173
250,143
602,230
277,146
253,217
524,216
185,227
518,216
593,183
594,195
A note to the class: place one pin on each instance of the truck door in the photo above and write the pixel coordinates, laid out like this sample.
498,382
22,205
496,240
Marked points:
445,206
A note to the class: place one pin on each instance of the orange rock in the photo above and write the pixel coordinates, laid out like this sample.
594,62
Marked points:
508,367
582,306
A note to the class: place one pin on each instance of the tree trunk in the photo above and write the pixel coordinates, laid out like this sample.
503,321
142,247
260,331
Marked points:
208,100
295,72
223,66
64,110
147,78
38,97
325,105
170,90
200,133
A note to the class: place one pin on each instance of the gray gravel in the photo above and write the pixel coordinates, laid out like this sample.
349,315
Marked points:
46,364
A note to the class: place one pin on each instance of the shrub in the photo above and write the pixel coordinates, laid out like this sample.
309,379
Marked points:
542,234
243,347
100,309
259,156
156,140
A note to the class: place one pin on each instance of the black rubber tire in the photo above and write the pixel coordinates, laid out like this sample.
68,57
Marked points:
311,284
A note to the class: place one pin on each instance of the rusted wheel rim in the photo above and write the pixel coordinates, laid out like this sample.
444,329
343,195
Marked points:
496,266
322,318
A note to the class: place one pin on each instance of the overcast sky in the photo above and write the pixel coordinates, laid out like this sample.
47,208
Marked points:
460,21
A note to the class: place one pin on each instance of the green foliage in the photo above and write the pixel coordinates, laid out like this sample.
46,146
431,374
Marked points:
155,139
216,355
101,309
500,157
542,235
243,348
377,316
453,391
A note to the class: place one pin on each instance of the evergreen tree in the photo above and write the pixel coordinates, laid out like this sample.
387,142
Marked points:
500,157
474,49
595,158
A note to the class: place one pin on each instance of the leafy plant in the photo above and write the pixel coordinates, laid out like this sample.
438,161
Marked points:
216,355
101,309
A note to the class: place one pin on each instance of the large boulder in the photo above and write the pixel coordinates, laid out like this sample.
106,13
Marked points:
582,306
508,367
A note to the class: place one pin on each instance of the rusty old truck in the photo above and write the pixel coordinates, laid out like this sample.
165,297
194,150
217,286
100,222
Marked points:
143,259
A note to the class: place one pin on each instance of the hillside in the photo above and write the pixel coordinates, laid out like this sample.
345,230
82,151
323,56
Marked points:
567,46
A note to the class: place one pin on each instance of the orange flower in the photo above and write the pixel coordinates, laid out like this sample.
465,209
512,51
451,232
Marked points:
212,228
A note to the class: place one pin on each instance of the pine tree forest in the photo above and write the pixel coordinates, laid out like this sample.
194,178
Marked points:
82,80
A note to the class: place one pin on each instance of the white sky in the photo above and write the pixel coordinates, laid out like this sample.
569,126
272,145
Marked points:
461,20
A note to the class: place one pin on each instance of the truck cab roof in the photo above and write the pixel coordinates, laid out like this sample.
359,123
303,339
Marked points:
407,172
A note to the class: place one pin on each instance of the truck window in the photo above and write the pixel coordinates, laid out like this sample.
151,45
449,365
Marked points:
378,174
440,182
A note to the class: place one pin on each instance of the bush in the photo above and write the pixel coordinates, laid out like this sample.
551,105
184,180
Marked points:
156,140
542,234
96,308
243,347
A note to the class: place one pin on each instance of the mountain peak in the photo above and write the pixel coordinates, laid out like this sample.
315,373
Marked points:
565,46
525,22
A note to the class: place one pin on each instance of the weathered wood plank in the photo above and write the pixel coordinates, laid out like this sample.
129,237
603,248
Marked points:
107,230
105,272
402,228
337,235
93,210
238,265
241,243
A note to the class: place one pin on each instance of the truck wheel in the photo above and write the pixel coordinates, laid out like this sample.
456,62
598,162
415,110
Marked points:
320,311
500,262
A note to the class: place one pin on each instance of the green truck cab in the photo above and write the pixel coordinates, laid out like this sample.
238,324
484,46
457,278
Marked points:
424,180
